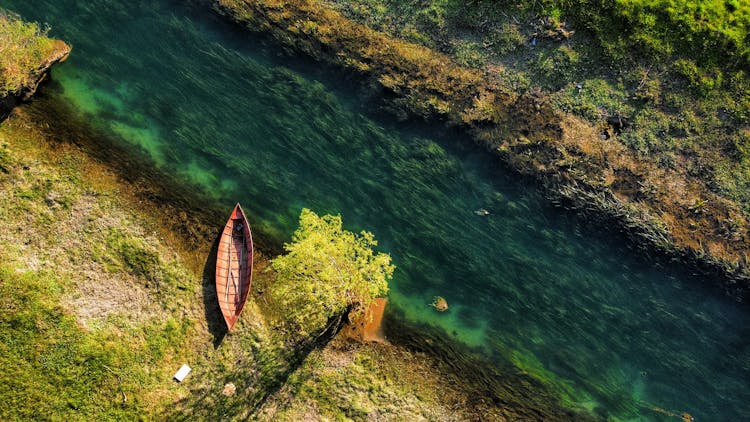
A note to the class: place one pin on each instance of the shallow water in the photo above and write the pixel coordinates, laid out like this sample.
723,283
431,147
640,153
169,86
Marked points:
526,283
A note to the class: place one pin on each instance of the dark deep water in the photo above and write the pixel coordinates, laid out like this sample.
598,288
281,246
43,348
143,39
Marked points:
571,307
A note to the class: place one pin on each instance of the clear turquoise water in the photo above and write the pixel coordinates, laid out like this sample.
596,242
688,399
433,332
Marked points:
597,322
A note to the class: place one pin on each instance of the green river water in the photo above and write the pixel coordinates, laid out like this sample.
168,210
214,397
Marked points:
526,284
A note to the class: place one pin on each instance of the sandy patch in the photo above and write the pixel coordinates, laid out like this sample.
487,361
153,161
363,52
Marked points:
99,295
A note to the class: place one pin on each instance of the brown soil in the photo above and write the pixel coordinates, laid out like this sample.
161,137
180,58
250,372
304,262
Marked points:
369,328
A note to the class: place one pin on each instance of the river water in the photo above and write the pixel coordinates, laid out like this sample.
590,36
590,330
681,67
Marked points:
608,330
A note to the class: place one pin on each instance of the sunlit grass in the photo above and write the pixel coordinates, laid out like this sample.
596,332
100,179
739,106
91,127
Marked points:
97,310
23,47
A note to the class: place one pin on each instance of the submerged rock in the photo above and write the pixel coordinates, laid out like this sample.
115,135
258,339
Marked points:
439,303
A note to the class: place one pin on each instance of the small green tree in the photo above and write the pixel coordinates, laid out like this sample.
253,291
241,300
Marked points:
326,272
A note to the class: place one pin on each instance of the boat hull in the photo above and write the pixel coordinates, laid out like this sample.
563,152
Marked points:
234,266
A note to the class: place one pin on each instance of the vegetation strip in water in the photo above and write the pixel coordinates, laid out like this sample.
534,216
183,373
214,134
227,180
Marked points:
660,207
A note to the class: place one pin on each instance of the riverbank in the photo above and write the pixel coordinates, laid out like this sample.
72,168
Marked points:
26,56
105,297
376,381
87,225
104,300
582,164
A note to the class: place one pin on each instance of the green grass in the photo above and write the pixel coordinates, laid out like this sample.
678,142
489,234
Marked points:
133,254
673,72
350,381
712,32
58,361
53,369
98,306
23,48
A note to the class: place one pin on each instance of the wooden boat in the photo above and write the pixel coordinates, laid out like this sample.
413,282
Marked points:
234,266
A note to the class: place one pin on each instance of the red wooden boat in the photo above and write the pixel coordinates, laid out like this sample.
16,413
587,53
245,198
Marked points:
234,266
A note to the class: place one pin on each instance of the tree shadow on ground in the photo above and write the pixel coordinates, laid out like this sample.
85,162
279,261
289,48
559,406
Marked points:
259,368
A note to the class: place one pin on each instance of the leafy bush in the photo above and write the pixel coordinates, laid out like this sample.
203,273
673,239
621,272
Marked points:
326,272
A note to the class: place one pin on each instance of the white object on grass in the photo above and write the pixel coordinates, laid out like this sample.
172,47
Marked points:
182,373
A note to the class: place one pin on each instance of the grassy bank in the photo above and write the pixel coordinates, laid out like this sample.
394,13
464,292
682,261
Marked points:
349,380
380,381
102,302
667,79
26,53
630,142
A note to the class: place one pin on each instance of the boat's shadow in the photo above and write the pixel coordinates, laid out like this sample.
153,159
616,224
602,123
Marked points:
216,325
